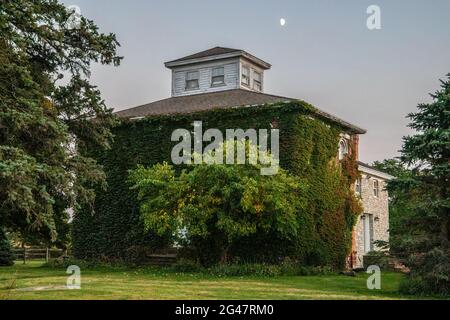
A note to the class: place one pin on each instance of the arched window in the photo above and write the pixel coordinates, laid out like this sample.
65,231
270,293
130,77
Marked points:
343,149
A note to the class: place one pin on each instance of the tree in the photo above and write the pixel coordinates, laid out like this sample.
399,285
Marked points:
394,167
6,256
210,207
49,112
426,186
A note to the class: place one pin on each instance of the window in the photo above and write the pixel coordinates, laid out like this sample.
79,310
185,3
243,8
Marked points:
376,188
358,186
218,77
192,80
257,80
343,149
245,76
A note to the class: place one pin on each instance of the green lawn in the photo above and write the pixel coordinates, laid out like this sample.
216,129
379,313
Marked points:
35,281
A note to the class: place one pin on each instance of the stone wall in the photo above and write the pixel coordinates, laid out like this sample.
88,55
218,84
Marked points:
376,206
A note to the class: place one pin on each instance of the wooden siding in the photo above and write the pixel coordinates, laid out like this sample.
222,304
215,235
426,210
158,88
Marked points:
231,73
247,63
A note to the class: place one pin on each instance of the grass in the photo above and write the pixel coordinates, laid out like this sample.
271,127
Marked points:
37,281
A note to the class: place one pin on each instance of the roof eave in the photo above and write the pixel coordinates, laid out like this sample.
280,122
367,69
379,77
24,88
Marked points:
178,63
257,61
374,172
347,125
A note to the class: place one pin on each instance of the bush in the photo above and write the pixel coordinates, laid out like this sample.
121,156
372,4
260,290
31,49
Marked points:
66,262
219,205
412,286
137,255
240,270
379,258
430,274
186,266
6,255
266,270
86,264
286,268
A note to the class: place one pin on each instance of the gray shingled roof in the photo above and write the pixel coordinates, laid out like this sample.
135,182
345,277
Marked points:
207,53
218,100
217,53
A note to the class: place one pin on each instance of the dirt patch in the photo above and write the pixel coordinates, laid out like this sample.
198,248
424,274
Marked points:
48,288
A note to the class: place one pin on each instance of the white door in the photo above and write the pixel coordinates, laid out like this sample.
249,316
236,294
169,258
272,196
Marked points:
368,232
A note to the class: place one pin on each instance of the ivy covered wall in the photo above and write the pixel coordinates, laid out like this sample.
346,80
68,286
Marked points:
308,148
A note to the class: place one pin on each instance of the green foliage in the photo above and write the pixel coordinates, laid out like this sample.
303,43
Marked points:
430,273
285,268
44,122
378,258
64,263
422,195
186,266
6,255
219,204
394,167
331,201
246,269
308,149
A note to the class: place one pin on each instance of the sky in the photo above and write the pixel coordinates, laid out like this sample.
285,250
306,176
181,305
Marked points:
324,54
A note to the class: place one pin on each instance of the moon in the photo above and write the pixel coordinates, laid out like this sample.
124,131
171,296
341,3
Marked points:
282,22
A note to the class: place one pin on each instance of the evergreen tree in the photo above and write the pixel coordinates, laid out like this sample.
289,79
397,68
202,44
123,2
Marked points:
427,154
46,120
6,256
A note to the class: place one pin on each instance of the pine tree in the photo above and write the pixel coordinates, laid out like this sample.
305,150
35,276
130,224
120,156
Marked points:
45,121
6,255
427,153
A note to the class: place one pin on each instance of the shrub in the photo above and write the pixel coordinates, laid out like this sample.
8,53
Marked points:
266,270
218,205
240,270
86,264
137,255
412,286
430,274
66,262
186,266
287,267
379,258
